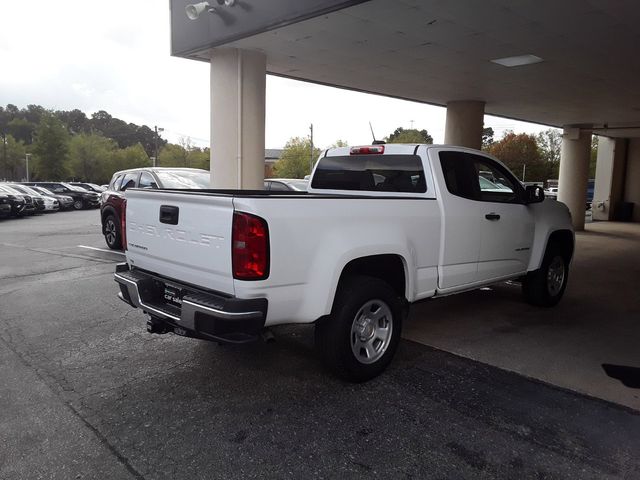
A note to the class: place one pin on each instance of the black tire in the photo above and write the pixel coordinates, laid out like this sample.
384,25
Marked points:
543,287
335,334
78,204
112,235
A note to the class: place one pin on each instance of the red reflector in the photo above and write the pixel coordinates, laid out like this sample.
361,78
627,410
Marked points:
123,224
373,149
249,247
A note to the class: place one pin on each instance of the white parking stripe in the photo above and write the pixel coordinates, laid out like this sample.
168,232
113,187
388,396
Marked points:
115,252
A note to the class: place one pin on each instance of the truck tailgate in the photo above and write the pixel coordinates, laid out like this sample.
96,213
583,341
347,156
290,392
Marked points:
183,236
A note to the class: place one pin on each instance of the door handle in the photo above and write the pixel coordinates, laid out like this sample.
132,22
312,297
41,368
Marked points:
492,216
169,214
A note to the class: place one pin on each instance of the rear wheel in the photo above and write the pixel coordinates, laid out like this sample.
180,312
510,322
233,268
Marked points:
545,287
360,337
78,204
112,233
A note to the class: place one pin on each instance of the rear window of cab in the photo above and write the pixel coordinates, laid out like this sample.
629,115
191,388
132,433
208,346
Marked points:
371,173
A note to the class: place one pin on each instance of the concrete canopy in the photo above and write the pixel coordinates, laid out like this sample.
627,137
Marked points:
436,51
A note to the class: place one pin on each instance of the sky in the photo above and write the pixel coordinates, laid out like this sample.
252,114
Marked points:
114,56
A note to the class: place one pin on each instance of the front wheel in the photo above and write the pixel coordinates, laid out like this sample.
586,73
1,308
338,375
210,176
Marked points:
78,204
360,337
112,233
545,286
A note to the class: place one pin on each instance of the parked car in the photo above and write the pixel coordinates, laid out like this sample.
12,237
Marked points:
5,205
551,192
66,202
82,199
21,205
286,184
49,204
112,199
91,187
38,200
379,228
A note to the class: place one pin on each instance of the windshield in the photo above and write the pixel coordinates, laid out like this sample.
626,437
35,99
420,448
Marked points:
43,190
184,178
10,190
74,187
97,187
28,190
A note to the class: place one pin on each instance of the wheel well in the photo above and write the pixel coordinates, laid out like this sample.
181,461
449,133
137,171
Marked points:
388,268
564,240
108,211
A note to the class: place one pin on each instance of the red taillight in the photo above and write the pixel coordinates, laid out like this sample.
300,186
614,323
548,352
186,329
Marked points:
123,224
249,247
373,149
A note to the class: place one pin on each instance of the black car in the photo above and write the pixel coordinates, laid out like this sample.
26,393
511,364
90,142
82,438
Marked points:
39,200
5,205
81,197
20,204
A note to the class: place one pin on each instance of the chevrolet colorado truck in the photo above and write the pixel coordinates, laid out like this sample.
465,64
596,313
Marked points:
379,227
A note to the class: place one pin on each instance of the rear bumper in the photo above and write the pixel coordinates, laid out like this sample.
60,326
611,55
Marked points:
202,314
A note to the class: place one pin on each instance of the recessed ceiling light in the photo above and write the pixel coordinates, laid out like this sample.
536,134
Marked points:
517,61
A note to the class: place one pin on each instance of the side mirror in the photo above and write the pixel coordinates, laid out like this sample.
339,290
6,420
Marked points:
533,194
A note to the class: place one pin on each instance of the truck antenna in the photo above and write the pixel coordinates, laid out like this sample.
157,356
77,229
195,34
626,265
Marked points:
375,142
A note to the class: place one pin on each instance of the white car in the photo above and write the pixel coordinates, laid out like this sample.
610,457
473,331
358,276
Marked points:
379,228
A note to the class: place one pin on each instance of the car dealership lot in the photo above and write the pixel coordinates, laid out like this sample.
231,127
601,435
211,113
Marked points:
87,393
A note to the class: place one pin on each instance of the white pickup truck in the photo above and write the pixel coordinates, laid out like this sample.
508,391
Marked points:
379,228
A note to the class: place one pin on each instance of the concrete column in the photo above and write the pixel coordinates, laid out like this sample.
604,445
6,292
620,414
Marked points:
632,177
574,173
465,120
609,186
238,83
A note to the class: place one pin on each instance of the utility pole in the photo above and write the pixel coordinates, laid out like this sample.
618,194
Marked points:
27,156
4,142
311,153
155,158
524,170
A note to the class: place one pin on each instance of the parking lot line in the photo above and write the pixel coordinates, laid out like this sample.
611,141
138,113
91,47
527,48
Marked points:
101,250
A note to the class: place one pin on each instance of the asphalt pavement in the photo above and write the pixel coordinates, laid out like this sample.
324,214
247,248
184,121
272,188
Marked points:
85,392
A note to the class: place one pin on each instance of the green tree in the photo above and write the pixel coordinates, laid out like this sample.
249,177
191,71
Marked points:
200,158
172,155
487,137
21,129
13,159
295,160
340,143
75,120
519,150
594,156
51,147
130,157
89,157
410,135
550,144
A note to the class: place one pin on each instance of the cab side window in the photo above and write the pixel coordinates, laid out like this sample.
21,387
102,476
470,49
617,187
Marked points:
496,185
115,183
129,181
147,181
459,174
479,178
